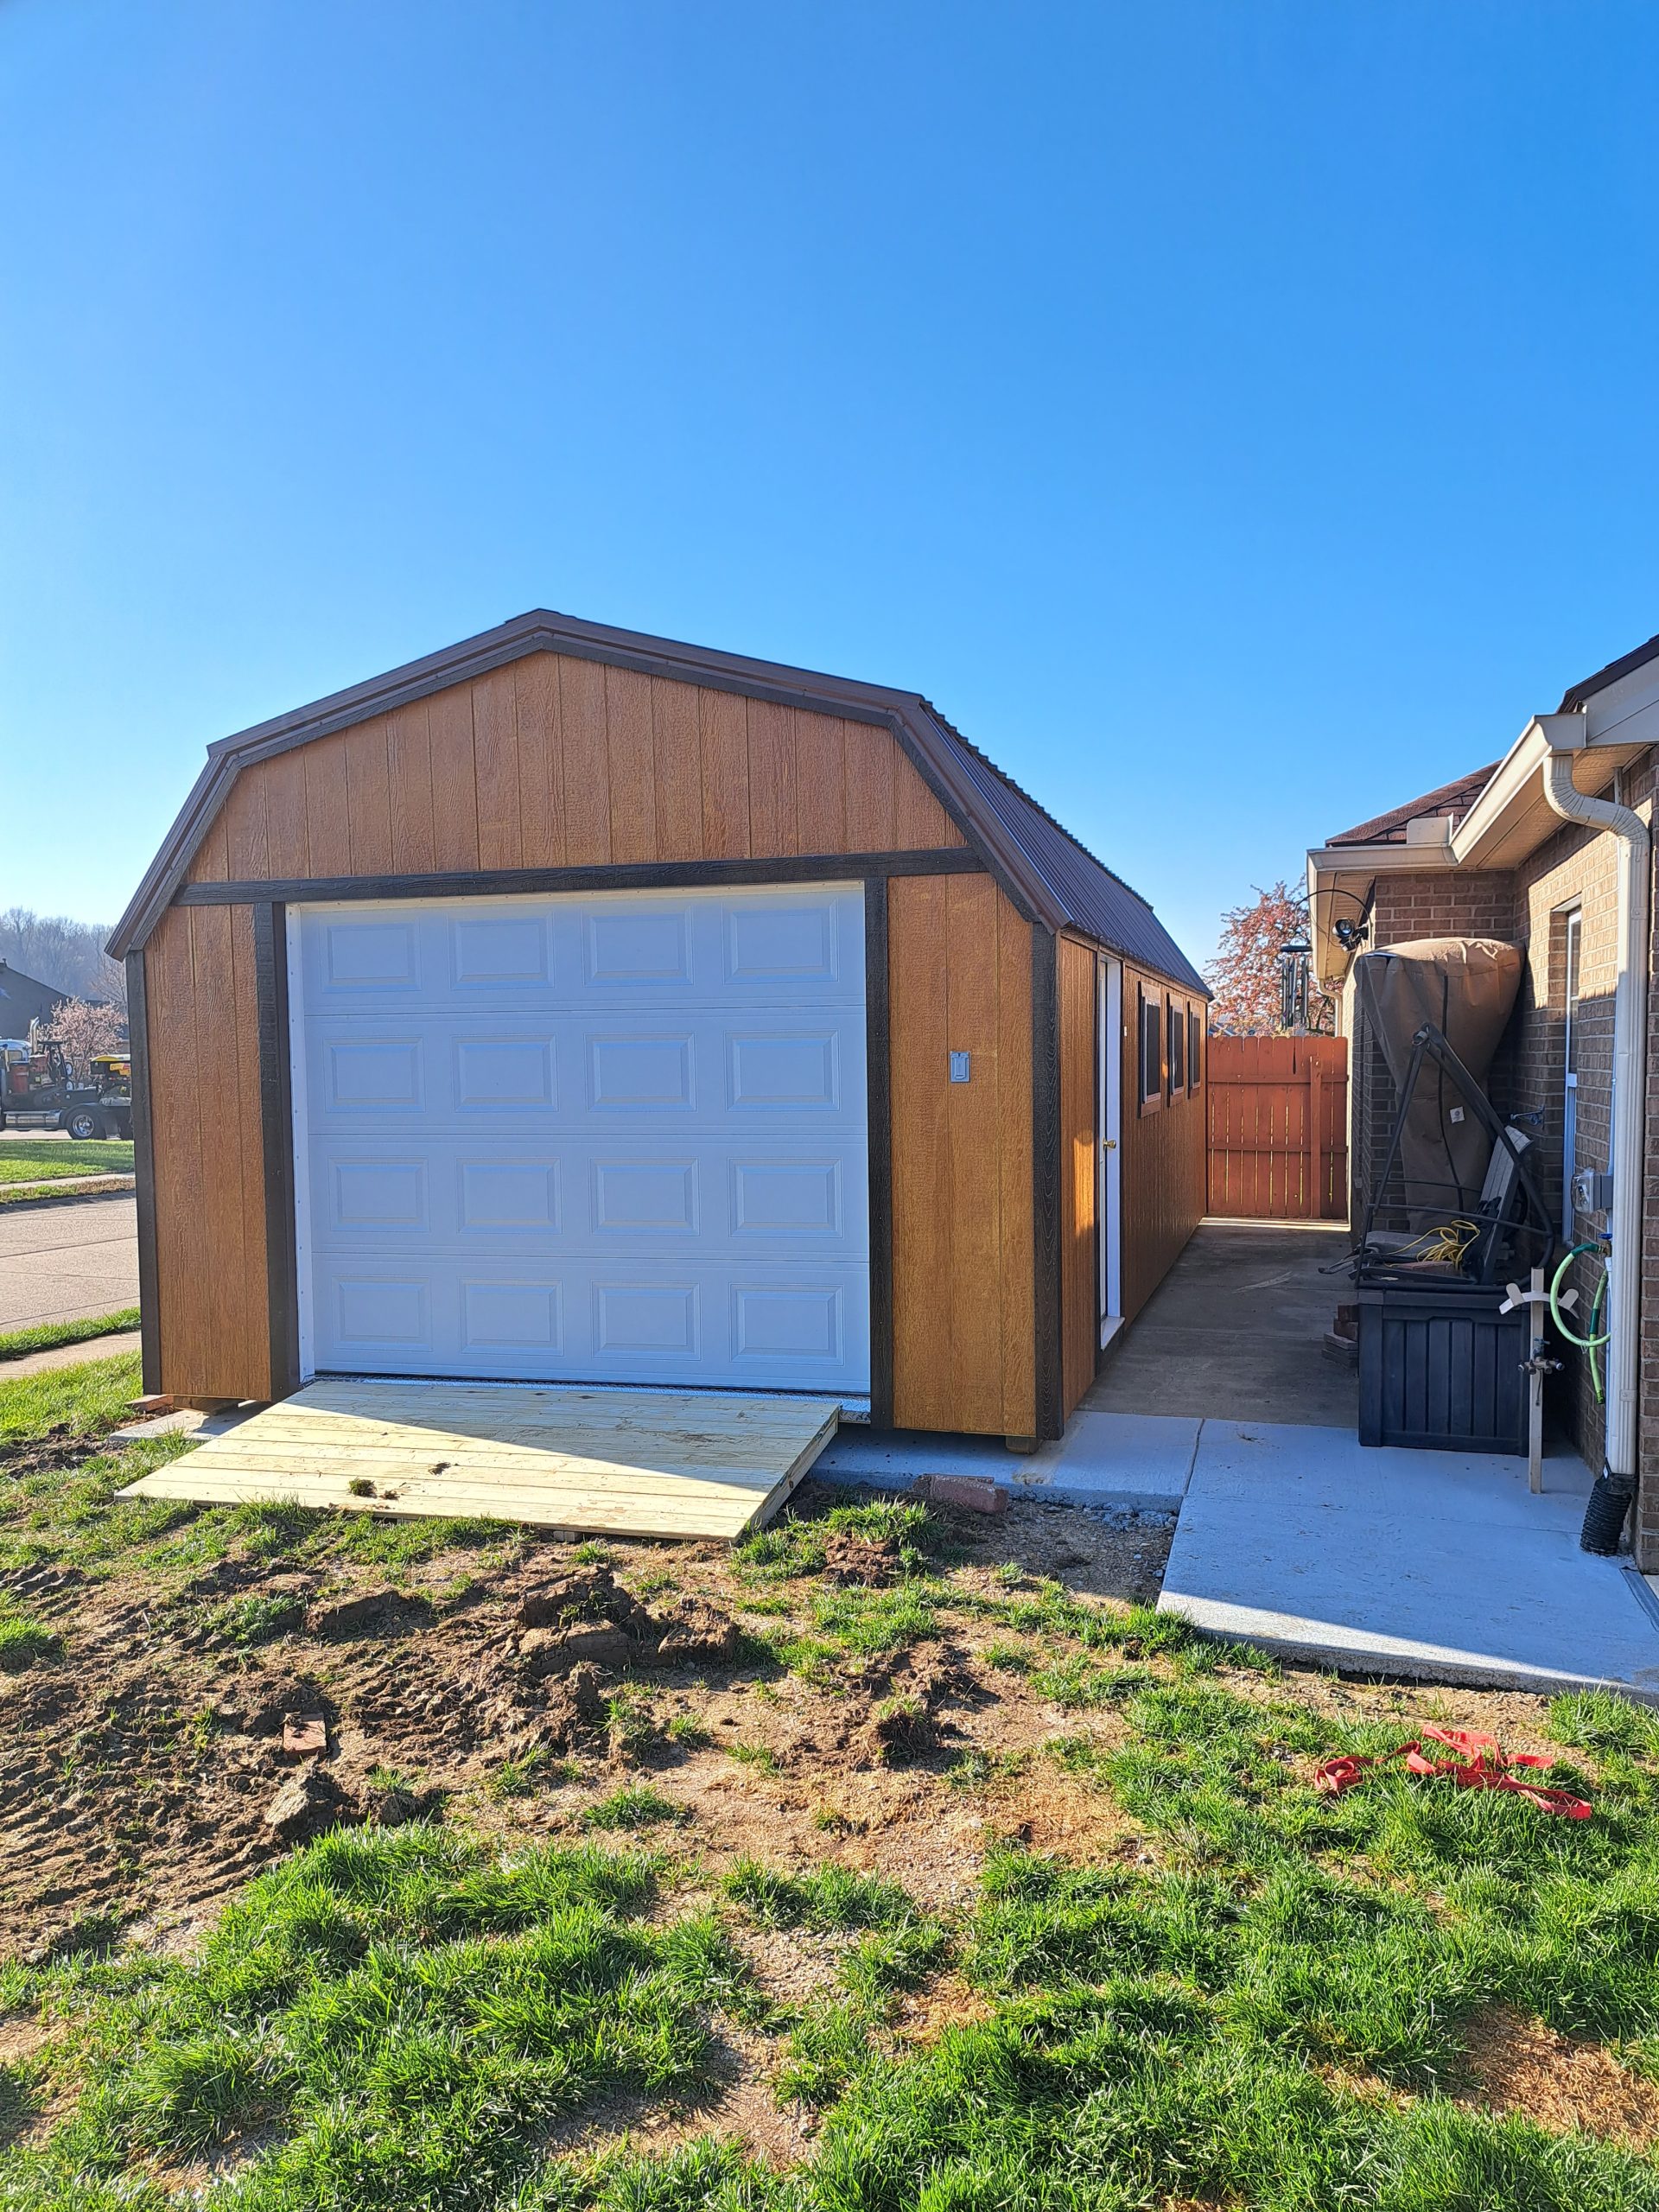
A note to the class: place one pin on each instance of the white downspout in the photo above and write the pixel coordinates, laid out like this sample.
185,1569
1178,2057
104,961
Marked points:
1630,1058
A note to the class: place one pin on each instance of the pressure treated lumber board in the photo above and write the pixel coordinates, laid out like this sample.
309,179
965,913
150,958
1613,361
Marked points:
636,1463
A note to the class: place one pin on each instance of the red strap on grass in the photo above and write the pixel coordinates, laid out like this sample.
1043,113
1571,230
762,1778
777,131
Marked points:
1481,1763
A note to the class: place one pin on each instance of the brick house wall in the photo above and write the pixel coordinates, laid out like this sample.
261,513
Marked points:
1576,868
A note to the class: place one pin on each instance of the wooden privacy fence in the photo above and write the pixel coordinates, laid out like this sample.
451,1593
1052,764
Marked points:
1279,1127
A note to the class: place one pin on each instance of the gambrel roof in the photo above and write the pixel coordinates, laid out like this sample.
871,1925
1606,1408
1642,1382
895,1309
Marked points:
1048,874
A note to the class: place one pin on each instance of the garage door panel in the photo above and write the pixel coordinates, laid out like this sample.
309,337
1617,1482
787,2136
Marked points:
617,1139
590,1321
727,1197
708,948
510,1195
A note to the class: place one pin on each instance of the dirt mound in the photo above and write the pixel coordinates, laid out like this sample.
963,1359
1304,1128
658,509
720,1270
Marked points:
147,1771
910,1699
870,1562
589,1616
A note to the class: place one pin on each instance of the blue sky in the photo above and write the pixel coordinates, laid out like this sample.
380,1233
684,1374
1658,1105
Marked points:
1237,417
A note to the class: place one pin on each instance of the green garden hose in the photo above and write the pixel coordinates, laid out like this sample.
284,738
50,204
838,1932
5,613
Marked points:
1593,1341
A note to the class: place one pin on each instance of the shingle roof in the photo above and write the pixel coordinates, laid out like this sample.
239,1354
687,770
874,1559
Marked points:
1049,876
1575,694
1454,799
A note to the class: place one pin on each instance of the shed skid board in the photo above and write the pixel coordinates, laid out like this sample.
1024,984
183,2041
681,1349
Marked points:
618,1462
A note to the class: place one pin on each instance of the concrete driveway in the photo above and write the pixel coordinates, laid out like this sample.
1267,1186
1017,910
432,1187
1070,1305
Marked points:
1237,1329
69,1262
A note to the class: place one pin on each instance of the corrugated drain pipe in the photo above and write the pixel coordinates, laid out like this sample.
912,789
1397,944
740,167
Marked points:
1609,1502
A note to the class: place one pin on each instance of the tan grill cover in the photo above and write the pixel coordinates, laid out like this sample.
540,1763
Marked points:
1466,987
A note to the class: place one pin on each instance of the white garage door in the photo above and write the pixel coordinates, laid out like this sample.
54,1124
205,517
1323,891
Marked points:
618,1138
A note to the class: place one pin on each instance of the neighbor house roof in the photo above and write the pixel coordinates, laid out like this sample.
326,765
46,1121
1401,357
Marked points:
23,1000
1627,664
1050,876
1454,799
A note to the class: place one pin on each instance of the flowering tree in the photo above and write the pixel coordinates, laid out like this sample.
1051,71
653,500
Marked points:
1245,974
80,1029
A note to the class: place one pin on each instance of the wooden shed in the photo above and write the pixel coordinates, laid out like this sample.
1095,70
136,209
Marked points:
574,1005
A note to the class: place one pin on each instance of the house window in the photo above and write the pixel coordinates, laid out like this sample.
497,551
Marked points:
1194,1046
1571,938
1152,1049
1177,1048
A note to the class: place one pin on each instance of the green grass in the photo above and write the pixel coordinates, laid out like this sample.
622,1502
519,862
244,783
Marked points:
533,1771
46,1336
399,2016
833,1897
23,1159
24,1642
795,1545
637,1806
248,1621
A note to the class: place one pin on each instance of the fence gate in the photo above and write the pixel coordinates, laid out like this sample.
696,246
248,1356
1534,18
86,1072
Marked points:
1279,1127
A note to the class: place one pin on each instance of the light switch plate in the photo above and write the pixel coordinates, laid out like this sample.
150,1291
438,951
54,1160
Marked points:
961,1066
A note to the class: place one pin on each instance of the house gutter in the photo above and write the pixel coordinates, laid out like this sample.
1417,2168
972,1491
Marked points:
1565,736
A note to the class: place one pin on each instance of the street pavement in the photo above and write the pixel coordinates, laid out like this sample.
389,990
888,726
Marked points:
68,1261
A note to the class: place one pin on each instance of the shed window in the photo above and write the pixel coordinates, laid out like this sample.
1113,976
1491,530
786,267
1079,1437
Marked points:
1152,1049
1177,1047
1194,1046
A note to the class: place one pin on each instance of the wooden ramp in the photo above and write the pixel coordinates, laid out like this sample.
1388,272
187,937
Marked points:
624,1463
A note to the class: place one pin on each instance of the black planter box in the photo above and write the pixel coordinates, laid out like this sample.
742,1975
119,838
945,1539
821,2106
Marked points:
1442,1368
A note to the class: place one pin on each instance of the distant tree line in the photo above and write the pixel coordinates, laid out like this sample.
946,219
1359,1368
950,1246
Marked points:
69,956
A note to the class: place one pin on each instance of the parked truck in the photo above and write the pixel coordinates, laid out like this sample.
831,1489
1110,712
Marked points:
40,1091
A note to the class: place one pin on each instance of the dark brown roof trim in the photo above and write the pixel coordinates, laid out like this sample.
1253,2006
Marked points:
938,754
1575,695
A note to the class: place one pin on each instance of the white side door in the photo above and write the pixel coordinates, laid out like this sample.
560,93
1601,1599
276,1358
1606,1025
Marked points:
1109,1031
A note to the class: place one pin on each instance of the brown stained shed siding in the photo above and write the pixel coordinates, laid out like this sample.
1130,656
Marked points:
409,756
1165,1169
555,762
959,977
204,1078
368,795
1079,1092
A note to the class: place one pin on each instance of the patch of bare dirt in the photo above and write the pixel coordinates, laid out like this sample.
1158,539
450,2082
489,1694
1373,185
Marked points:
737,2101
20,2037
1566,2083
1051,1811
922,2016
143,1774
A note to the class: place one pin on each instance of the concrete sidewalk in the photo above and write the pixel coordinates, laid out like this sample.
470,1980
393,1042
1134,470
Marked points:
1434,1564
1140,1460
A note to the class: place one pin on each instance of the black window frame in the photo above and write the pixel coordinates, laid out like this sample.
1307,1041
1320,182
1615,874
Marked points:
1175,1047
1151,1082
